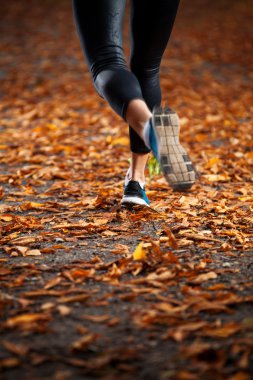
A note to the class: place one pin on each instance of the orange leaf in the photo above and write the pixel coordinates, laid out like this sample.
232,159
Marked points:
172,242
26,319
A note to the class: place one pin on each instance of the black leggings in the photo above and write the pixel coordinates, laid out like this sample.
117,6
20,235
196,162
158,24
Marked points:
99,24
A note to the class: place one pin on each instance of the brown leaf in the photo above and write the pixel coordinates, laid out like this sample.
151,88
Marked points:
14,348
9,363
84,342
82,273
166,275
224,331
26,319
32,252
240,376
120,249
181,332
172,242
25,240
97,318
204,277
52,283
76,298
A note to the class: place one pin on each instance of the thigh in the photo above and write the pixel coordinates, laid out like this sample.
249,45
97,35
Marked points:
151,25
99,24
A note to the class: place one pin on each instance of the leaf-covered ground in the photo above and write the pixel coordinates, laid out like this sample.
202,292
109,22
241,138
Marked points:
90,290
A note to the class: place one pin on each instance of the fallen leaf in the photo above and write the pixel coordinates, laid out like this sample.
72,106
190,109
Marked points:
9,362
84,342
97,318
204,277
14,348
32,252
224,331
172,242
64,310
140,253
23,319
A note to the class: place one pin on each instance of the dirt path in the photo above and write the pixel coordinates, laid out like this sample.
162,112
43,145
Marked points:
75,304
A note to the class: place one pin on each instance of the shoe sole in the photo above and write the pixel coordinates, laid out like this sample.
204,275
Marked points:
175,163
134,200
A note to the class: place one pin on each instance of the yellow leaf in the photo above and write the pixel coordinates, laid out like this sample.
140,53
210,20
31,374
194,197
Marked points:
246,199
52,126
216,177
140,252
120,141
6,218
35,204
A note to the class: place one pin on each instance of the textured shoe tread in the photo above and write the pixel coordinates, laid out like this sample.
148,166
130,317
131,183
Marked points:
174,160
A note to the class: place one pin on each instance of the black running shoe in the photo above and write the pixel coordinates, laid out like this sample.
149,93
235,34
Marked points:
135,194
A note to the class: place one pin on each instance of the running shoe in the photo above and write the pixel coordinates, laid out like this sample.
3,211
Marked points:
134,193
164,142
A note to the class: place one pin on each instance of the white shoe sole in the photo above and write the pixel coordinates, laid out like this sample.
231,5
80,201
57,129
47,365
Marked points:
134,200
173,159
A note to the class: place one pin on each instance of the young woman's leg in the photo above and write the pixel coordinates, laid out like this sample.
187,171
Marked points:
151,26
137,112
99,23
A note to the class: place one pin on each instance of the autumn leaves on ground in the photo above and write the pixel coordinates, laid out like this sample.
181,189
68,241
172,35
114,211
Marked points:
90,290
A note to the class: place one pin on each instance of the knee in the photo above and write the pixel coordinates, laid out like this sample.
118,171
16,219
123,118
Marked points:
118,86
107,80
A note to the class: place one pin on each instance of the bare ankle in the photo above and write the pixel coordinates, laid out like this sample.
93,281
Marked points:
138,178
137,170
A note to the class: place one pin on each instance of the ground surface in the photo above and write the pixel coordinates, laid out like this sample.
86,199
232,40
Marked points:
75,304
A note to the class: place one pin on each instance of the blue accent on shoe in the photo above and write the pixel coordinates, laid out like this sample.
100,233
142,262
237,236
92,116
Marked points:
144,195
153,140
